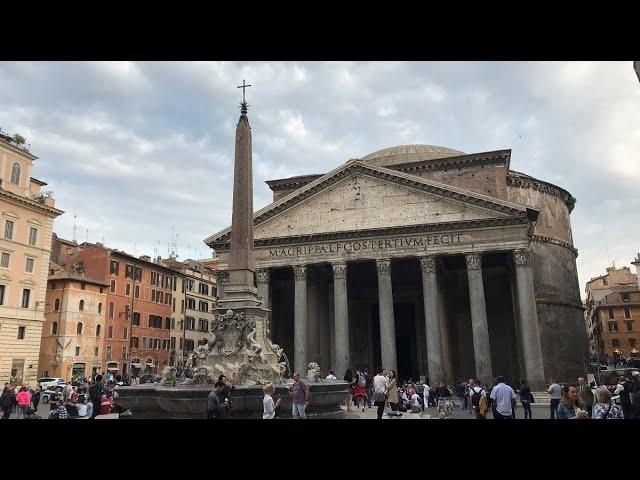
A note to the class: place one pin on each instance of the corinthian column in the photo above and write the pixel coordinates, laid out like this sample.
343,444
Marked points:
262,279
479,326
341,319
528,320
431,320
300,320
387,321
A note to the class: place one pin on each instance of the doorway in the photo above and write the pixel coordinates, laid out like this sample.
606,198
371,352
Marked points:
406,348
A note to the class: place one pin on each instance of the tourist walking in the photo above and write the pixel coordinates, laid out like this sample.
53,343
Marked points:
461,392
95,395
392,390
635,395
7,401
504,398
381,387
300,397
425,396
23,400
360,390
624,391
526,398
369,386
218,403
269,407
476,393
35,399
348,377
605,409
555,391
585,395
569,407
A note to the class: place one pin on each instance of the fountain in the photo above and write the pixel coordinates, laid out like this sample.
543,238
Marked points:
241,348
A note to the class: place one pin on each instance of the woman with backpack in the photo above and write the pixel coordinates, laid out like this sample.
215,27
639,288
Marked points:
360,389
525,399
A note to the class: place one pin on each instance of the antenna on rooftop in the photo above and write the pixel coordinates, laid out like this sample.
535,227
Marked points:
75,227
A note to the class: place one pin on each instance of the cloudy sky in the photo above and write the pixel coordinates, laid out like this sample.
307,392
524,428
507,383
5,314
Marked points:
137,150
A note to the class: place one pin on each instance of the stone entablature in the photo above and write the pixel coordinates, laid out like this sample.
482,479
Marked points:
516,179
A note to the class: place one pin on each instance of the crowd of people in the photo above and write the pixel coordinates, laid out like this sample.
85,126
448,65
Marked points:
85,400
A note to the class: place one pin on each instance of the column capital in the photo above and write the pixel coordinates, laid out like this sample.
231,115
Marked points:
339,270
428,264
474,261
262,275
300,272
384,266
522,257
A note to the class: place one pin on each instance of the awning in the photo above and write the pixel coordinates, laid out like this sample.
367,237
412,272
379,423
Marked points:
112,368
150,364
136,365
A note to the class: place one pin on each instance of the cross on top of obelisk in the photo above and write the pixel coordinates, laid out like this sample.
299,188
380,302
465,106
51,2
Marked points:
243,104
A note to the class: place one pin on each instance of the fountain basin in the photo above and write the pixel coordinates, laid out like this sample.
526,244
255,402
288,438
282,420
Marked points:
190,401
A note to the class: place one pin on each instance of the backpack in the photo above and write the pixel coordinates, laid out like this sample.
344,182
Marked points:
362,382
475,396
72,410
483,406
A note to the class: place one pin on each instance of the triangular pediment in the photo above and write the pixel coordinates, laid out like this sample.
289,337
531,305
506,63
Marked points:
359,196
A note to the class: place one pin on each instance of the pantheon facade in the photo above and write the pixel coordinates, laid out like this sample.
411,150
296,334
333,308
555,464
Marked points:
424,260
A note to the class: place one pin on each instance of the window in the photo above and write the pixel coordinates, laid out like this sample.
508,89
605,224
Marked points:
191,303
189,284
204,289
100,308
79,328
54,328
137,291
4,260
29,265
2,287
615,342
21,332
173,343
77,351
33,236
167,298
174,305
632,342
83,286
15,174
156,344
97,330
81,306
110,309
8,229
95,351
153,278
108,352
159,284
144,342
204,306
125,333
629,326
110,332
625,297
113,269
101,289
136,319
113,286
167,323
124,352
613,326
173,323
605,280
165,344
128,271
26,293
155,321
611,315
128,289
138,274
627,312
134,342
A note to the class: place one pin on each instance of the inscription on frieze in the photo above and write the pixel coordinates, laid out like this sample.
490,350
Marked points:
368,245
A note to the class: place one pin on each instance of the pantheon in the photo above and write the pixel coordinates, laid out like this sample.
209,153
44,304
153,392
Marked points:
425,260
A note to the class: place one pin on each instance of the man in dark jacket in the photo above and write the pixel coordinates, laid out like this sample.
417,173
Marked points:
218,402
95,394
7,401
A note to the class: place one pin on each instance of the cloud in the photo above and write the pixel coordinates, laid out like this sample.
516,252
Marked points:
136,148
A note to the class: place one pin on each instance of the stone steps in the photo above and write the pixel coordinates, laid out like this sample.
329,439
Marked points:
541,398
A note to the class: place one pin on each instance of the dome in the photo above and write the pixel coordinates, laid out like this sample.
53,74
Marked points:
408,154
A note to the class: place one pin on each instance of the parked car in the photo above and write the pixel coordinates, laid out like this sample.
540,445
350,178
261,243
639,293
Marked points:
46,383
47,394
